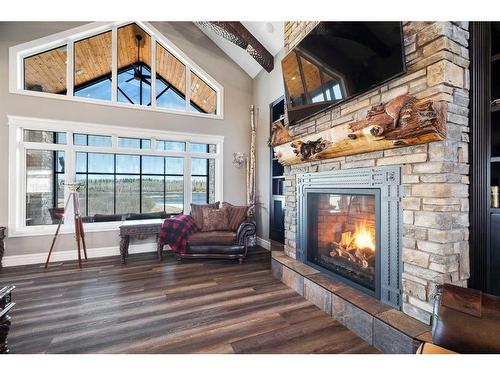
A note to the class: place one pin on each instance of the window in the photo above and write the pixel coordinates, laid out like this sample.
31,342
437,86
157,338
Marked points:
149,71
44,186
40,136
170,145
92,67
202,180
202,147
134,65
203,97
120,174
140,143
91,140
117,184
170,80
46,71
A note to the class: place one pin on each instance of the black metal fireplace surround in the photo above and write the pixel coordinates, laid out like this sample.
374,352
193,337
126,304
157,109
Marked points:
342,234
349,226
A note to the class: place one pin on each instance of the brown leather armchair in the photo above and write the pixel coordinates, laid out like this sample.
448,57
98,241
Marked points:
464,321
221,244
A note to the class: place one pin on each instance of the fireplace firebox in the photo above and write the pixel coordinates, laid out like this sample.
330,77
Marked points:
343,235
349,226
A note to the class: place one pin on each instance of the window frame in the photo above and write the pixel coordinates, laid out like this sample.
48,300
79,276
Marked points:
17,164
19,52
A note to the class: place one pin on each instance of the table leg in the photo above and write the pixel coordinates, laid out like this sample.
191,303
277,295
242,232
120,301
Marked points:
159,248
124,247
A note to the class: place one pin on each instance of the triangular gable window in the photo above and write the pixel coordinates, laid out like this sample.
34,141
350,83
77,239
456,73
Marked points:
117,64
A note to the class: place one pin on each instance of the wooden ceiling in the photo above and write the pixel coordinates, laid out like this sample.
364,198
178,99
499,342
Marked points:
47,71
170,69
92,58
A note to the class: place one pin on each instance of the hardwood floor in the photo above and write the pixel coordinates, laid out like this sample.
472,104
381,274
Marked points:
169,307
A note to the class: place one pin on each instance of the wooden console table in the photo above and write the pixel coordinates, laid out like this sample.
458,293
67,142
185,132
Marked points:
3,232
139,229
6,305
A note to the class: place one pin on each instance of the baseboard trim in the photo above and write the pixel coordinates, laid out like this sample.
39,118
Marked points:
60,256
99,252
266,244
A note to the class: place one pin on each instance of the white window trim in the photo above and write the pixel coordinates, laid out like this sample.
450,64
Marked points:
19,52
17,170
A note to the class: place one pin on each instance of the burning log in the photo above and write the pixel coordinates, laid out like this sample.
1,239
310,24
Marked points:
353,254
347,249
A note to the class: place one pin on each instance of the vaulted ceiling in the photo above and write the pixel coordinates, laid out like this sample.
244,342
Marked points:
93,61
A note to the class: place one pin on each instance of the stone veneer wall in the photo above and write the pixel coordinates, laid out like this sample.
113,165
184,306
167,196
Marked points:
435,176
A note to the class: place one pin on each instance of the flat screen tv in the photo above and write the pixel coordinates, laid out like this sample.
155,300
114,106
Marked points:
339,60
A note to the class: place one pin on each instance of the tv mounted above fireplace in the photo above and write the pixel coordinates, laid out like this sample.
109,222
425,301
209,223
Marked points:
339,60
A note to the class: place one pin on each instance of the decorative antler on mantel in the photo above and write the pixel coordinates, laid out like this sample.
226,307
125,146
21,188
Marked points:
402,121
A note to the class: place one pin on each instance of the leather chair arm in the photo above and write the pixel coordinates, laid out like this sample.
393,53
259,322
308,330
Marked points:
466,320
246,229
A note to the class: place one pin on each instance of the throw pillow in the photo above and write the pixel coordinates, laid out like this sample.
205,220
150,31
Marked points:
197,214
236,215
215,219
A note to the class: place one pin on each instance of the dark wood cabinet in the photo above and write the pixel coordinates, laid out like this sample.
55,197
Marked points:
277,182
485,156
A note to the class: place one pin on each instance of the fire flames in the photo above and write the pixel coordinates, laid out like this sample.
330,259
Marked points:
357,247
363,237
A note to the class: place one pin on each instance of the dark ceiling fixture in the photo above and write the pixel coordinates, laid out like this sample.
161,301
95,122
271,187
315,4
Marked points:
238,34
138,75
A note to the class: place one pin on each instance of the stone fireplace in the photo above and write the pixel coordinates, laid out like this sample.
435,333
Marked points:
428,245
349,227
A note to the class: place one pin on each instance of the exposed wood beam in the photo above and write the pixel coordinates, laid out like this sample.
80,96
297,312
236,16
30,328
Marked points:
238,34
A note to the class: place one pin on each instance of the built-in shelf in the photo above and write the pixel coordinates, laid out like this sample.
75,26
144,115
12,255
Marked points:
492,84
277,180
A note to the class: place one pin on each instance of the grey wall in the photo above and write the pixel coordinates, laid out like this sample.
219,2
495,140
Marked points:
267,87
185,35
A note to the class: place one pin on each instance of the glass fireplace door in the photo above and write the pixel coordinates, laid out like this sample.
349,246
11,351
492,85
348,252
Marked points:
342,234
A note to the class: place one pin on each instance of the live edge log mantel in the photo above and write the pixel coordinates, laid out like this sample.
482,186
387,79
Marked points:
402,121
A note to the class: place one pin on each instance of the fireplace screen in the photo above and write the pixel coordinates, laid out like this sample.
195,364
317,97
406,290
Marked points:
341,235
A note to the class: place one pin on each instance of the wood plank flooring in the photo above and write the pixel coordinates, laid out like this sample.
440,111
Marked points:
169,307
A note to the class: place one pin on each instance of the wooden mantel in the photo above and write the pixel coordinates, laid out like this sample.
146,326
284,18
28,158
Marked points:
402,121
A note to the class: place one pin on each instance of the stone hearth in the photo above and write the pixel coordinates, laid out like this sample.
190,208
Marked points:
386,328
434,177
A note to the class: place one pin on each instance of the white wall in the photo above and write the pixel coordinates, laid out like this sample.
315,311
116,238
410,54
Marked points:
267,87
185,35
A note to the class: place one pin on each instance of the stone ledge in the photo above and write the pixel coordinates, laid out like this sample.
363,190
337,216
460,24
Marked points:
386,328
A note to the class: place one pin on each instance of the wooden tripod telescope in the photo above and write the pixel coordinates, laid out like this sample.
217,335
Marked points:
79,233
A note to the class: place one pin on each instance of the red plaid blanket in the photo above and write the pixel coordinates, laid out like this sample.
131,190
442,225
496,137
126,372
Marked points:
175,232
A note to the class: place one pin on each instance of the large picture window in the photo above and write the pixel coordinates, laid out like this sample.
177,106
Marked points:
126,64
118,184
121,176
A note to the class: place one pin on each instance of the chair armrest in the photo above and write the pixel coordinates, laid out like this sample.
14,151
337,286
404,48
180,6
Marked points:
428,348
246,229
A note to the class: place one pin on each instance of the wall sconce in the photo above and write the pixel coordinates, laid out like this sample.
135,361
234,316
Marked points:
239,159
